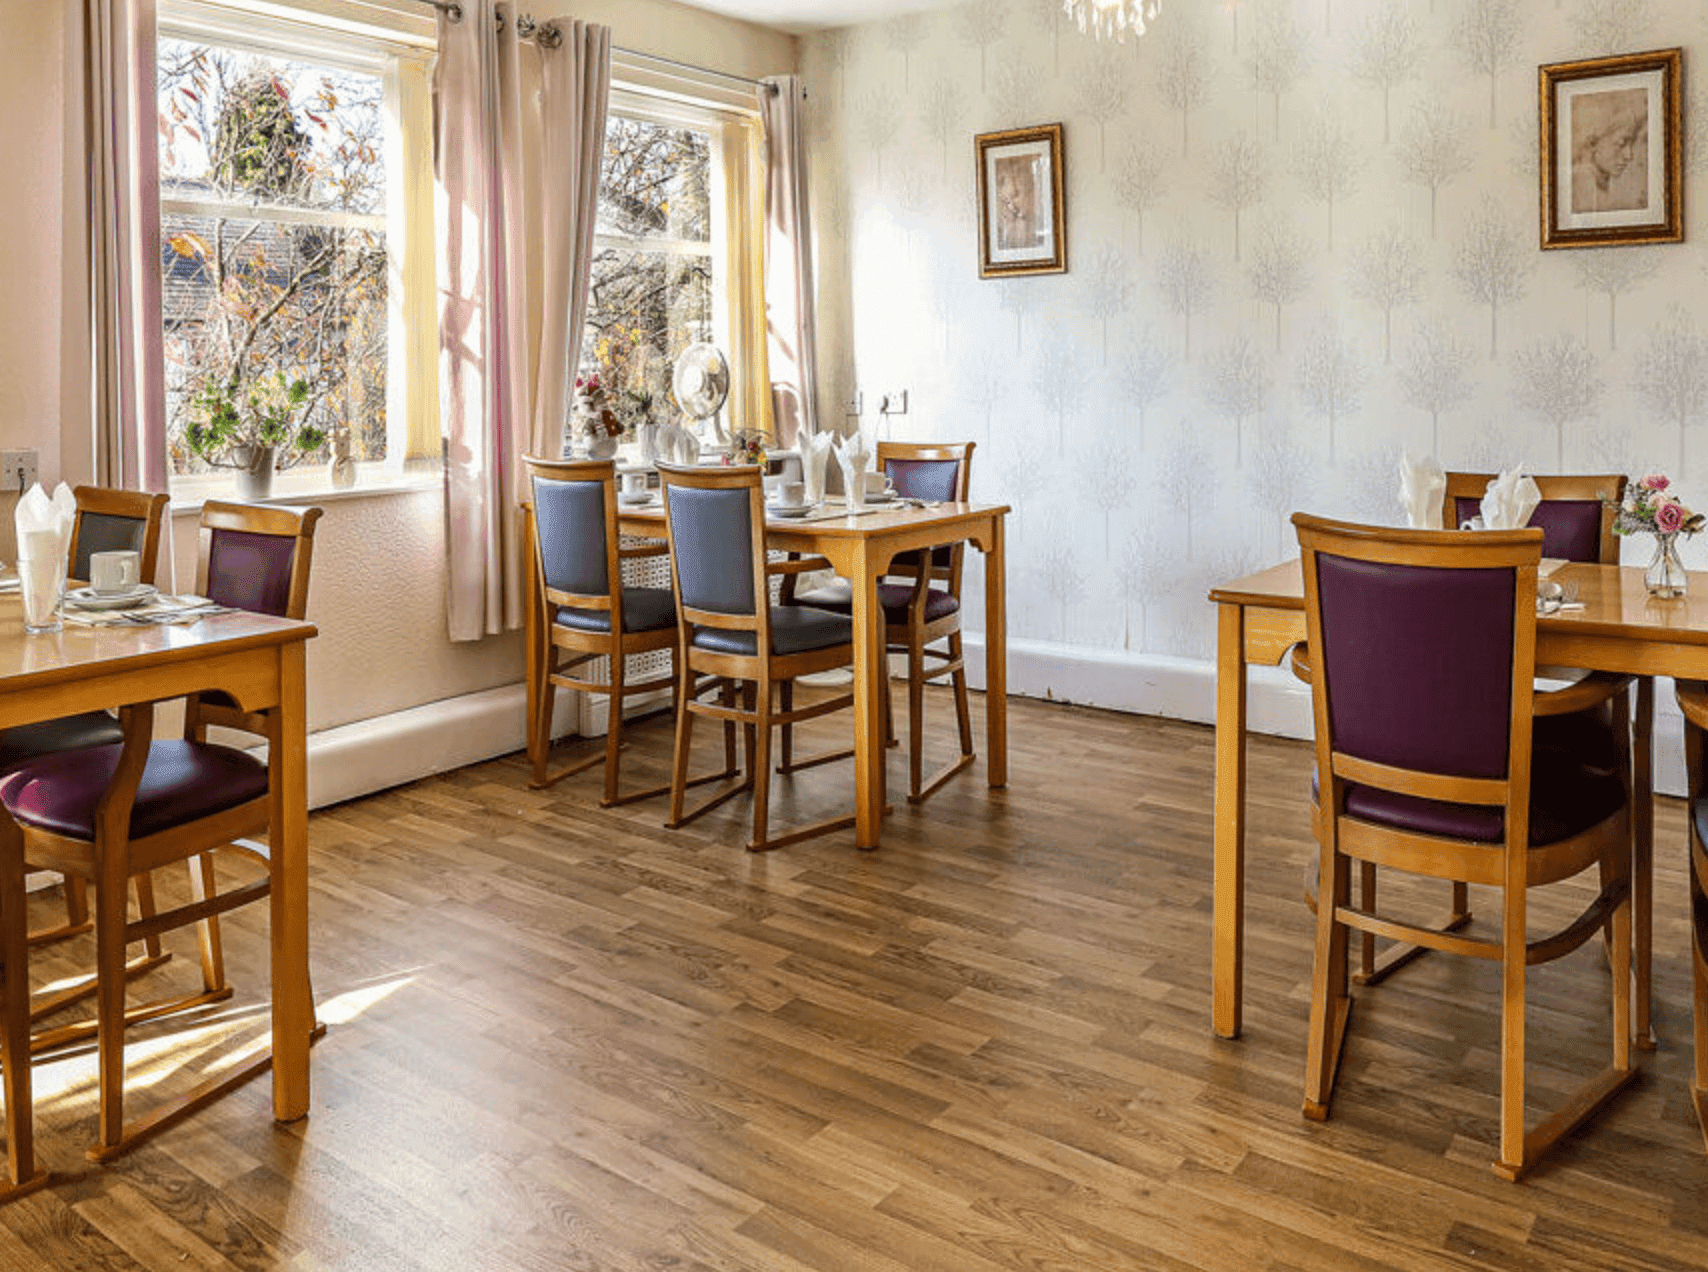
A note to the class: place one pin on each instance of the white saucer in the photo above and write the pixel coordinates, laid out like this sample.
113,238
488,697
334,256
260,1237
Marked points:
623,497
789,510
87,598
886,497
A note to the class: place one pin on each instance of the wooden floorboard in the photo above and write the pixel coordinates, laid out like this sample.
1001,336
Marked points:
565,1038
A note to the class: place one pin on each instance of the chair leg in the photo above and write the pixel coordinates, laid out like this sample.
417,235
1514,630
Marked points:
203,885
146,908
786,753
747,730
1699,1002
614,728
540,727
915,714
1331,1002
110,899
760,732
963,709
1512,1161
76,902
22,1174
684,734
726,696
1366,902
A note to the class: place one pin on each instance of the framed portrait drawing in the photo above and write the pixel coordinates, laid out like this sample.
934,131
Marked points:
1022,213
1612,154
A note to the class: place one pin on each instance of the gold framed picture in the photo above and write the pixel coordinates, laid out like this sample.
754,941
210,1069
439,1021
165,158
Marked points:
1022,211
1612,154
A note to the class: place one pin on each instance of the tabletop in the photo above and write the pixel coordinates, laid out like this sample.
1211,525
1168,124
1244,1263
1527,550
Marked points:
902,516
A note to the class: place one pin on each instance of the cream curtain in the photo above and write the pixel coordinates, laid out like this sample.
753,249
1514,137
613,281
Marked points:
519,132
122,182
790,328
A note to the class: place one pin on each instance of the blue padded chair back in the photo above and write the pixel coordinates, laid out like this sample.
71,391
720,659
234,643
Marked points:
1417,664
569,517
104,532
711,533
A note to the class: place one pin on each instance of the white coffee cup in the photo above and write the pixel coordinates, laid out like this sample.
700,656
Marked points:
791,494
634,484
877,485
113,572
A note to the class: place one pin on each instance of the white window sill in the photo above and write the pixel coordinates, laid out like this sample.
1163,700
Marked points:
295,488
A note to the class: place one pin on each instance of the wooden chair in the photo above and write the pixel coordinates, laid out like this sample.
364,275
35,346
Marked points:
1693,702
1423,694
926,608
107,521
1575,516
580,610
728,630
110,815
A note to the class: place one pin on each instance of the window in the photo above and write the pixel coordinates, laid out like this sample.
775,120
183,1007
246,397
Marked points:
288,245
675,250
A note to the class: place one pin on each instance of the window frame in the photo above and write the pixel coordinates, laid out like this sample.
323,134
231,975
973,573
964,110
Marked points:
397,53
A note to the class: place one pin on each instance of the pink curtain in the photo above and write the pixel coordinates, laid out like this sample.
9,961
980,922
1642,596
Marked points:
791,341
519,131
123,227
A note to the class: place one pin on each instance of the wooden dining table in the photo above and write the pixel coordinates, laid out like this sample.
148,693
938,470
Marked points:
1618,628
259,661
860,548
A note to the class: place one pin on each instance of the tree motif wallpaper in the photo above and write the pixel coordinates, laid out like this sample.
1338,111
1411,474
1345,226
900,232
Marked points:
1302,234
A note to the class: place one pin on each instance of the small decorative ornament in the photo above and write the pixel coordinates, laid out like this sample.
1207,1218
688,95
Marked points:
1650,507
595,418
342,471
1112,18
745,447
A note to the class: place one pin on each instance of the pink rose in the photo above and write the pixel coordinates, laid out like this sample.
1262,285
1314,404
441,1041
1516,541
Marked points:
1655,481
1669,517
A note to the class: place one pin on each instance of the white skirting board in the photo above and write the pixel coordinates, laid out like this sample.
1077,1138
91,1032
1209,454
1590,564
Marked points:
1185,689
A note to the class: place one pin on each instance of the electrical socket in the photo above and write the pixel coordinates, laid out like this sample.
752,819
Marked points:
17,470
893,403
855,404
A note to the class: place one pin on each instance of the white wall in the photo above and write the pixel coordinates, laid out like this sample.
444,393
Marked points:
1144,466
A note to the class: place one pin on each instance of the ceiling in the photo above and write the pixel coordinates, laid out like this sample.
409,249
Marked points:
802,16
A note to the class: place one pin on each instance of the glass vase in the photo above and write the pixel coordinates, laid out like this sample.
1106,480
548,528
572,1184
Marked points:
1665,576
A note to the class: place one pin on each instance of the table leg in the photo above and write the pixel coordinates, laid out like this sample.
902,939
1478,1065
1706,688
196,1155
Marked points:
996,657
870,667
293,1004
1229,941
1642,858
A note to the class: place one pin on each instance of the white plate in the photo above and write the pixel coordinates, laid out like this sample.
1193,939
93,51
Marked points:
635,501
886,497
88,598
789,510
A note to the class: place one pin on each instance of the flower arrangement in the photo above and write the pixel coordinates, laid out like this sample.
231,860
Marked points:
593,409
272,412
1650,507
745,447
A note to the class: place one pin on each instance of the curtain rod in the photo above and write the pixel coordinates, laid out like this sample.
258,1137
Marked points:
548,35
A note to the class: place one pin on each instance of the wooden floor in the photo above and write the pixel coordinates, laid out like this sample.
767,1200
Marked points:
562,1038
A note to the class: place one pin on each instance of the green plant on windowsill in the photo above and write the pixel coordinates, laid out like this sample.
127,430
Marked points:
251,429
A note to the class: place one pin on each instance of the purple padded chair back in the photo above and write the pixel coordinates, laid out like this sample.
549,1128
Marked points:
1571,528
104,532
1417,664
711,533
569,517
251,571
936,480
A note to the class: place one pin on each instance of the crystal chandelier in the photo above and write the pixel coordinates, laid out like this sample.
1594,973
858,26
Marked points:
1104,18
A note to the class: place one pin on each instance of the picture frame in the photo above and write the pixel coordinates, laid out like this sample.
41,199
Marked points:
1612,162
1021,205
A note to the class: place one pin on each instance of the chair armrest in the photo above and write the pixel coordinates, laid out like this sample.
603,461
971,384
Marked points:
805,565
644,550
1591,691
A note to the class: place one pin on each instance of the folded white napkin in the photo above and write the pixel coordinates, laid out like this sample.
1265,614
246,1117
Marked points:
44,536
1510,500
1421,485
815,457
854,457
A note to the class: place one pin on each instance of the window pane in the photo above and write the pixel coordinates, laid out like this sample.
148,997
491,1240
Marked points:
656,181
643,309
238,126
247,302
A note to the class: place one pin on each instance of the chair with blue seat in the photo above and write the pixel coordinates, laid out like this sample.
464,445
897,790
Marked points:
921,596
112,814
730,631
580,610
1423,651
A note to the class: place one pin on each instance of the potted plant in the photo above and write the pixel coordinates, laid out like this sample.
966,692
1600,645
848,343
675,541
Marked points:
246,429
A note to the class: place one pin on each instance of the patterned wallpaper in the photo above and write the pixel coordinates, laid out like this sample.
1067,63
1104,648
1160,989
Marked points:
1302,234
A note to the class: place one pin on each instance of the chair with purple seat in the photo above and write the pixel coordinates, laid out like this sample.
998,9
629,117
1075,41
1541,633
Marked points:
729,632
110,815
107,520
921,596
1424,649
